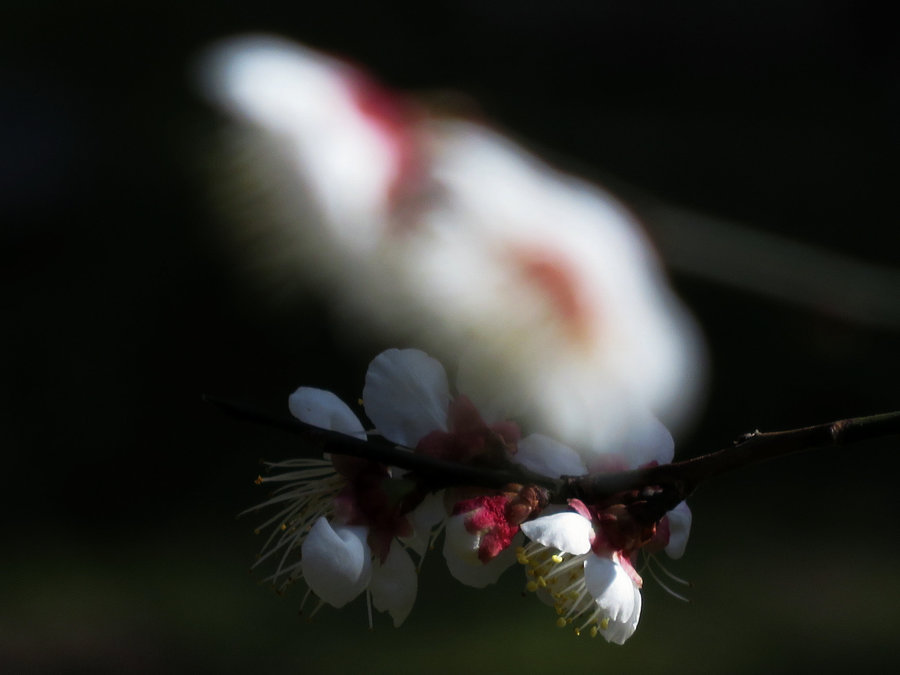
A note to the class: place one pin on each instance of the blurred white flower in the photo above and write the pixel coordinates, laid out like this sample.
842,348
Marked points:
447,232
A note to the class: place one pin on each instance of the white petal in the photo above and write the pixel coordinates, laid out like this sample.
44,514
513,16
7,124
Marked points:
679,529
610,586
459,542
336,562
325,410
548,457
649,441
570,309
569,532
394,584
461,554
423,519
406,395
323,152
619,631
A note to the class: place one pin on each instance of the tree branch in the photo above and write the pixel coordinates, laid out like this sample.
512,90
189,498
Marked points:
436,473
657,489
668,484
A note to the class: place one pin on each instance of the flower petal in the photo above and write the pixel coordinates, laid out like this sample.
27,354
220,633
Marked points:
329,164
423,519
649,441
325,410
406,395
461,553
336,562
619,631
548,457
394,584
679,529
610,586
569,532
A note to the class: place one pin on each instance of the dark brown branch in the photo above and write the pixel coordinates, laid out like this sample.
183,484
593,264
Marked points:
668,484
435,473
657,488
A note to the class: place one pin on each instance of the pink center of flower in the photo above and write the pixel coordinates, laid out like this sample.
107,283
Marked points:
366,499
469,436
489,517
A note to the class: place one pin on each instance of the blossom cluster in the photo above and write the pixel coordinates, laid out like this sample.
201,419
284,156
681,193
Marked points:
346,525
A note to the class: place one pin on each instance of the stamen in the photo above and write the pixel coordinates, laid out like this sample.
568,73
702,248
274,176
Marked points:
662,568
666,588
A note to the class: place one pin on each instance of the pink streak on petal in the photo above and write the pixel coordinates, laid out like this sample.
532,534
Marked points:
394,119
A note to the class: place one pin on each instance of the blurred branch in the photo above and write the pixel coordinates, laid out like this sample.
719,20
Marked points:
797,273
650,492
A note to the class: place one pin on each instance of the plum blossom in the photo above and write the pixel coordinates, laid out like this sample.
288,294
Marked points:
344,524
581,560
444,231
344,532
337,528
582,563
407,397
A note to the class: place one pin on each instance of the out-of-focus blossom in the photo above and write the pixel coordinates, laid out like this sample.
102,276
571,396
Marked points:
444,230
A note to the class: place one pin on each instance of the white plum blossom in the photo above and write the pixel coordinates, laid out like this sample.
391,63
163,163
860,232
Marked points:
407,397
337,527
446,232
344,528
581,561
321,534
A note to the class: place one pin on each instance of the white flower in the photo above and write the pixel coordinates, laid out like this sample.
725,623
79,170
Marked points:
592,586
407,396
589,591
448,232
335,558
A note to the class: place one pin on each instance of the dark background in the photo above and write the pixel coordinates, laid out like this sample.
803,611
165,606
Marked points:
122,306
